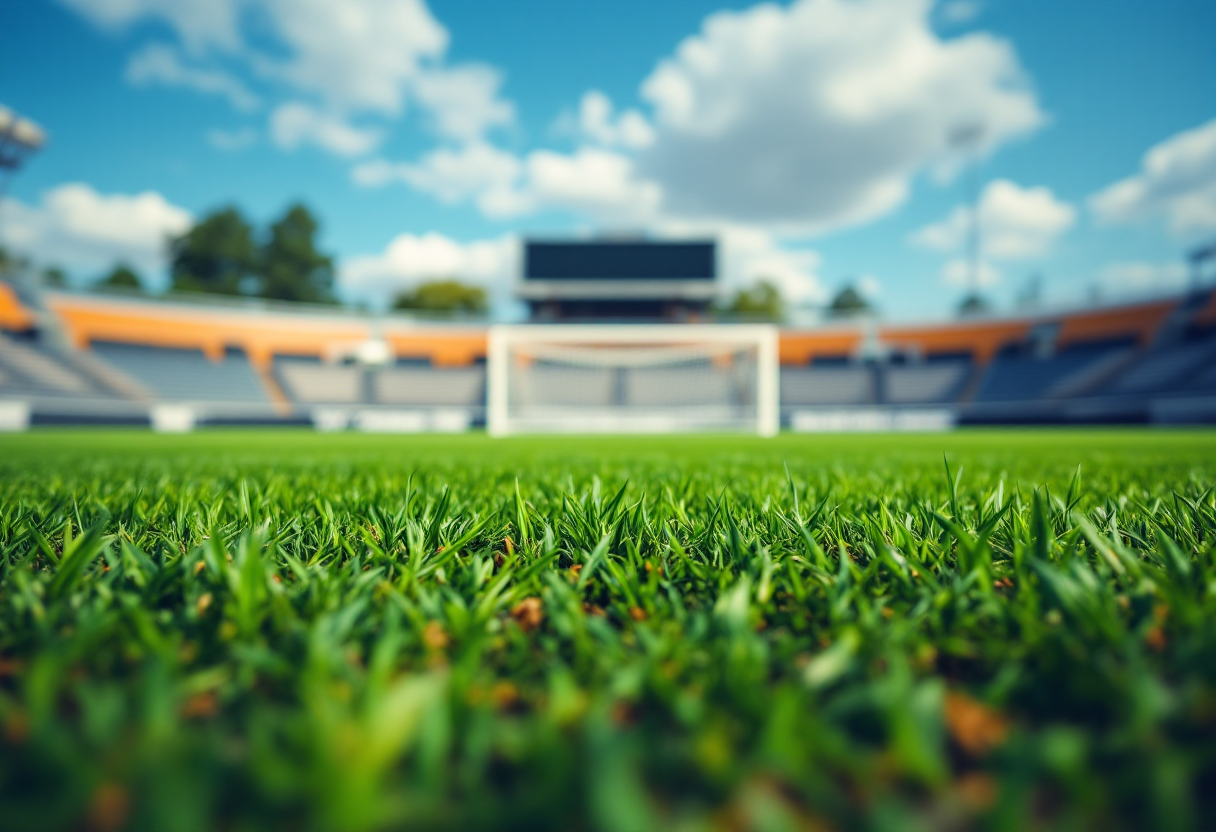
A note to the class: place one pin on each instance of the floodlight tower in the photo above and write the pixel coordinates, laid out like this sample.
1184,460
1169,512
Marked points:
966,139
19,138
1199,257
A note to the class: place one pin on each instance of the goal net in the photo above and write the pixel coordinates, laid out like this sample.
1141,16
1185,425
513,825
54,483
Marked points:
632,379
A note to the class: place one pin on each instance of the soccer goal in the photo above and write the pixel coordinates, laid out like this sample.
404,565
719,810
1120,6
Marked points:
600,378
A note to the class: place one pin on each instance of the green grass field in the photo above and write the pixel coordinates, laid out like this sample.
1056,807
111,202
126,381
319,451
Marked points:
281,630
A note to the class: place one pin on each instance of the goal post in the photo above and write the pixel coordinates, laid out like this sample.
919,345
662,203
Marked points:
632,378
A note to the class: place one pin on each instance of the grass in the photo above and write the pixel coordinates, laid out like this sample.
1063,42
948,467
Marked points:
246,630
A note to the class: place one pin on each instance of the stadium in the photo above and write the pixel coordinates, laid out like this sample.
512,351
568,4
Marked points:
583,502
79,359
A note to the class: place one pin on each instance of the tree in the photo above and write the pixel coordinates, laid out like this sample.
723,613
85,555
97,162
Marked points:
12,265
122,276
760,300
290,267
54,276
849,303
217,255
444,296
973,305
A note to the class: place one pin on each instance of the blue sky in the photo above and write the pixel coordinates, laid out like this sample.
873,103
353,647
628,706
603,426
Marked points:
811,137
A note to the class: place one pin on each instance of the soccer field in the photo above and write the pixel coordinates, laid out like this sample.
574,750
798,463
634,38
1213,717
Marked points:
247,630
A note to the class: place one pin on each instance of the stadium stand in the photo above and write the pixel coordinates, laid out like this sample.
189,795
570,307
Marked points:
819,386
981,340
431,386
186,375
936,381
308,381
1168,367
40,371
553,386
1205,316
696,384
1140,322
14,316
1015,376
78,356
1205,379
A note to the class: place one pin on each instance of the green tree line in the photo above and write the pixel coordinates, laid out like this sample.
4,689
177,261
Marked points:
223,254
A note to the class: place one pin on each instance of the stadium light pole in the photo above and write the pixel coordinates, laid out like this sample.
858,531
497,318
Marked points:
1198,257
19,138
966,139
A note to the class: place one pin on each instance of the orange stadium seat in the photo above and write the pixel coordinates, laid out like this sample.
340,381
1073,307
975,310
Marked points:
802,347
260,334
13,315
1206,316
1140,321
980,339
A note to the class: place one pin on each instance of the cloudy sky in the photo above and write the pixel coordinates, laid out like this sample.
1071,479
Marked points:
818,139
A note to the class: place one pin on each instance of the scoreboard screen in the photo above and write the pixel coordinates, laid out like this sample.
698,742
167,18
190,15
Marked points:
619,260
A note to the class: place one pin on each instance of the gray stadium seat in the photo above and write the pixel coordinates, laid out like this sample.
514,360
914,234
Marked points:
699,384
30,368
545,384
311,382
927,383
851,384
1025,378
1165,368
431,386
180,375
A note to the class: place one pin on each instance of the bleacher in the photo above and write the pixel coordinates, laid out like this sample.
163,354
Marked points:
309,381
1169,367
1022,376
83,356
424,386
851,384
548,385
185,375
694,385
926,382
32,369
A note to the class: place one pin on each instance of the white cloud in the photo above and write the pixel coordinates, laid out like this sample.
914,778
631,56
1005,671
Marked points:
199,23
463,100
748,255
958,12
1015,223
869,286
957,272
595,183
295,124
597,123
232,140
1177,181
818,115
78,228
160,64
356,54
796,120
1138,276
355,58
475,170
412,259
591,182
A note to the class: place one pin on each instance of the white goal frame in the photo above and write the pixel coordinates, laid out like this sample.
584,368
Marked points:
504,338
